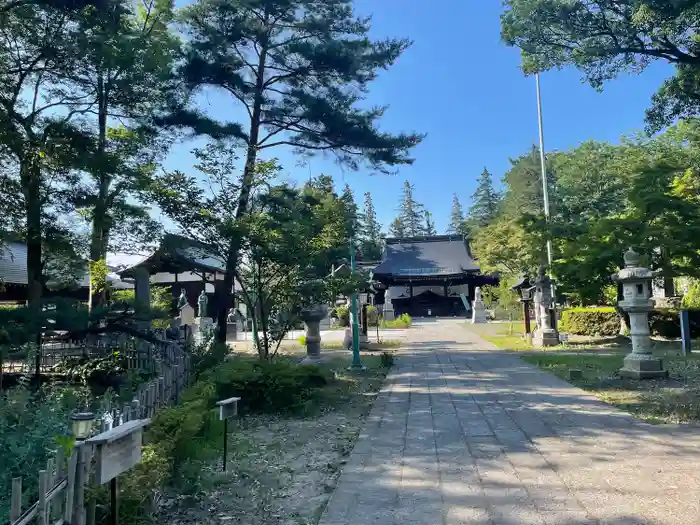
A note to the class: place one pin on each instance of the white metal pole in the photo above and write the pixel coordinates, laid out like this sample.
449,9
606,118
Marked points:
545,191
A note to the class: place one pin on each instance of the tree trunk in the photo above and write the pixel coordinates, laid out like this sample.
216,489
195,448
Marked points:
30,175
98,237
244,195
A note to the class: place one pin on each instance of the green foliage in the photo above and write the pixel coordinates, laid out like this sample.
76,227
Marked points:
411,214
32,425
402,321
279,385
590,321
504,301
486,203
342,313
457,225
691,300
373,317
604,38
370,232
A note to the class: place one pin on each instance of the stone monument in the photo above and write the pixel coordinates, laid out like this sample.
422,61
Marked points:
637,302
545,334
202,302
182,300
388,309
202,324
478,310
312,316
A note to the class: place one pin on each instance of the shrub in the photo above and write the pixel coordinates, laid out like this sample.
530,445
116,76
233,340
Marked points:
342,313
590,321
692,298
372,315
402,321
263,386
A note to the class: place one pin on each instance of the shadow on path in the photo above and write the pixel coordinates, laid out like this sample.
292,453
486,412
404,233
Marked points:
465,434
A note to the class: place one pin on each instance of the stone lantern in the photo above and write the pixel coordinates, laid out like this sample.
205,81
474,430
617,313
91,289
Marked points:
545,334
313,316
637,302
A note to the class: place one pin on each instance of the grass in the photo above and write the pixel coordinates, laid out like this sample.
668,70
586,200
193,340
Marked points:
507,336
282,470
672,400
383,344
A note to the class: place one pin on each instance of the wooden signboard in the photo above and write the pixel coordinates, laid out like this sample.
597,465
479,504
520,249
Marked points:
118,449
228,408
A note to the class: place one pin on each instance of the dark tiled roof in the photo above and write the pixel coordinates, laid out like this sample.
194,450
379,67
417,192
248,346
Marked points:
436,256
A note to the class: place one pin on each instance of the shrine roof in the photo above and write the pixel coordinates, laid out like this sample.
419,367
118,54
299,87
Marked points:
426,256
178,254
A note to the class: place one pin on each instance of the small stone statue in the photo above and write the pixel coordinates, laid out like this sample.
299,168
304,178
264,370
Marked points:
202,302
182,300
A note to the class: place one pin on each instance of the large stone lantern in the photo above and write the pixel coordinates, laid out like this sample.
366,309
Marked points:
313,316
637,302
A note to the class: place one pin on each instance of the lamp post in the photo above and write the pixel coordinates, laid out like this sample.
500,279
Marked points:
524,288
81,425
356,363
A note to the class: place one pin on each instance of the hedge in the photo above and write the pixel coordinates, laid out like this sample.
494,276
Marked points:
606,322
590,321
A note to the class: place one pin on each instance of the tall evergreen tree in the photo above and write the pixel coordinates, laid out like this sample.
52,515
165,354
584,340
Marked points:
351,213
396,228
456,226
411,213
297,69
371,231
429,224
485,202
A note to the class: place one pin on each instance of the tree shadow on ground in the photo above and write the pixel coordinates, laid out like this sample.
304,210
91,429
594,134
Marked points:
460,435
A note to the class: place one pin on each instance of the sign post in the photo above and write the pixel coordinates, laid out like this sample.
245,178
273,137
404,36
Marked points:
685,332
228,408
116,451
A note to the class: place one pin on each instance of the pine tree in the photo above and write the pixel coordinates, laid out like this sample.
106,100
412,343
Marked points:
352,219
411,213
295,73
370,231
396,228
485,202
456,226
429,224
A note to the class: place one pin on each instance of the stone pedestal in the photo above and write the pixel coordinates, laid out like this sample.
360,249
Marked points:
545,334
388,307
545,337
200,327
478,312
312,318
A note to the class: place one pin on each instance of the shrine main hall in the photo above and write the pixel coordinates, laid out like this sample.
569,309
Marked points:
428,276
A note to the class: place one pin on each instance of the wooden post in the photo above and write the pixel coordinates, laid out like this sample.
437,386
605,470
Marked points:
80,482
16,502
42,514
70,488
50,481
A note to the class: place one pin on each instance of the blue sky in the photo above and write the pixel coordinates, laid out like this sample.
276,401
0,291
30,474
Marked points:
459,84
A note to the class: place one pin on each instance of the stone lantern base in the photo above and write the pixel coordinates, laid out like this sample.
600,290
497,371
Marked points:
545,337
643,366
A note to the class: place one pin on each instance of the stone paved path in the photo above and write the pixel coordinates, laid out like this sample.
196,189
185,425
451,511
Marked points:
463,434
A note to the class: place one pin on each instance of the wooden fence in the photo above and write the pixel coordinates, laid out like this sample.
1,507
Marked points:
62,483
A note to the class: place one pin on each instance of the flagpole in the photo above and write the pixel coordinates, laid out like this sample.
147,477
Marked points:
543,167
